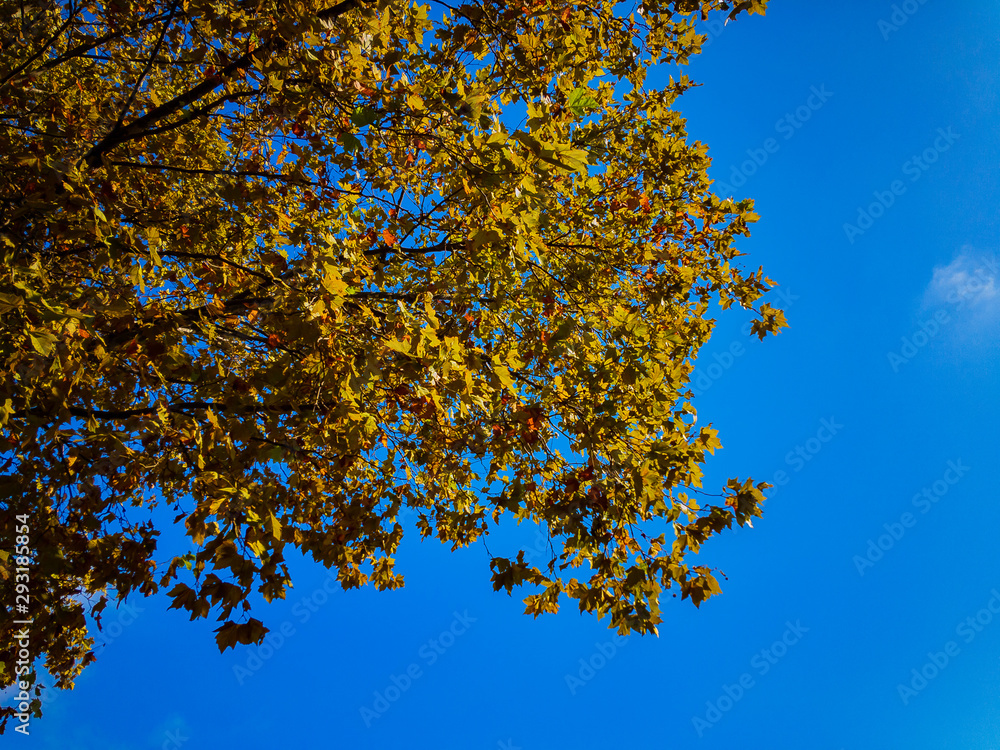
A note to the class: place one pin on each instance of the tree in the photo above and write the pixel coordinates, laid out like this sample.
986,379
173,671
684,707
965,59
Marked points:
285,269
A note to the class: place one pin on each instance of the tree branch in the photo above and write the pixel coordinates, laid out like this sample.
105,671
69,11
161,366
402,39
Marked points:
214,172
59,32
140,128
149,64
84,47
178,407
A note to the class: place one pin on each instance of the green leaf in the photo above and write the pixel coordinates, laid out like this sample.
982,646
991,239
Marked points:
350,142
42,342
563,332
10,302
580,101
363,116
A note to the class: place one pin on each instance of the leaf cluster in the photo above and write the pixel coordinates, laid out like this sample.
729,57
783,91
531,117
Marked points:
282,269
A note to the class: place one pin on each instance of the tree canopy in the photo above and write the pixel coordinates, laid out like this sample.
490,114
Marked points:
285,269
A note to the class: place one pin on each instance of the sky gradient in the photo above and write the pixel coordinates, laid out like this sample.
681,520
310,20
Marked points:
856,614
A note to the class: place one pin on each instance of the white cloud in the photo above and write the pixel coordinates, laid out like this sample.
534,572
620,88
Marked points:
970,282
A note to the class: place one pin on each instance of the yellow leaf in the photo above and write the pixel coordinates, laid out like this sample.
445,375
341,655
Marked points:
334,283
403,347
504,374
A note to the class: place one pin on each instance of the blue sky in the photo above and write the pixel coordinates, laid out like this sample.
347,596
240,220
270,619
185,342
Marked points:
849,617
